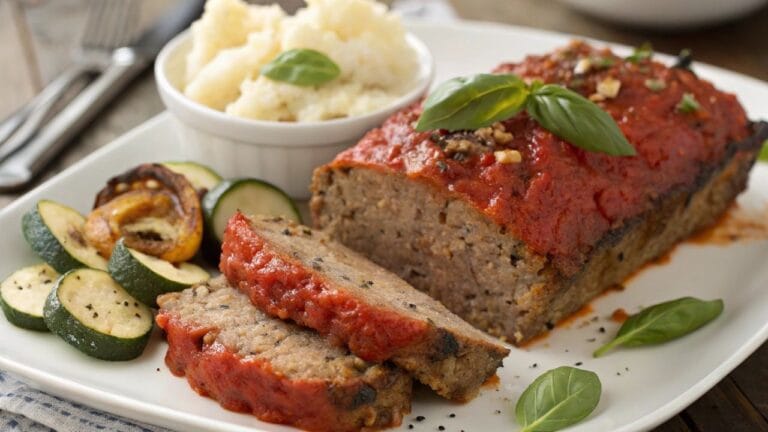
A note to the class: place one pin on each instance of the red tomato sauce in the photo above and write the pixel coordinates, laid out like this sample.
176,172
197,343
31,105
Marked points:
561,200
247,385
284,288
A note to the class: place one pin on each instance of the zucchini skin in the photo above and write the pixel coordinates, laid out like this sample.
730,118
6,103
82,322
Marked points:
138,280
90,342
211,245
45,244
21,319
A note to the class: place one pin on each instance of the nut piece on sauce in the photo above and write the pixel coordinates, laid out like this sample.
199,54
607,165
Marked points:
154,209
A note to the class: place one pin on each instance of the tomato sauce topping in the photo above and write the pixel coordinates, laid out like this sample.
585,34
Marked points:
559,199
284,288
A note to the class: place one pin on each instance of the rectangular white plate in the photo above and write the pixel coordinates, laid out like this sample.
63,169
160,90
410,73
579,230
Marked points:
641,387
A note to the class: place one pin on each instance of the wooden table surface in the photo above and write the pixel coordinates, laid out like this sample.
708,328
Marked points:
37,37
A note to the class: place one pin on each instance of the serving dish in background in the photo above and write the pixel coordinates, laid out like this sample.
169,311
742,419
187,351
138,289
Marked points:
667,14
283,153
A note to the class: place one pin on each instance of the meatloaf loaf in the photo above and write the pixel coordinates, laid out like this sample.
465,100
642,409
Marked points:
280,372
289,271
513,228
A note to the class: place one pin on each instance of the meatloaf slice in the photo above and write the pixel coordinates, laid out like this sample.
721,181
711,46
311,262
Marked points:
280,372
292,272
514,244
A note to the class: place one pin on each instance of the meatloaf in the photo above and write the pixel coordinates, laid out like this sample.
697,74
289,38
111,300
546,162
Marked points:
514,229
280,372
289,271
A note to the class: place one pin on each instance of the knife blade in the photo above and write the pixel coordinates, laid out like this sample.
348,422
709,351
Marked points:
127,63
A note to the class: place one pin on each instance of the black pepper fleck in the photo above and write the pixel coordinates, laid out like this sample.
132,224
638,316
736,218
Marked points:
286,232
578,363
497,412
223,306
601,329
47,281
410,426
451,415
441,427
125,303
158,369
534,366
591,340
420,418
95,314
137,315
89,306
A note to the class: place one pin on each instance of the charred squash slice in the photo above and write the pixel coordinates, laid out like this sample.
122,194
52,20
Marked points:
155,210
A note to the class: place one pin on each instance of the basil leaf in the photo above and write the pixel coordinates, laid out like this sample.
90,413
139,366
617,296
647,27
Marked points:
557,399
301,67
577,120
688,104
473,102
664,322
763,156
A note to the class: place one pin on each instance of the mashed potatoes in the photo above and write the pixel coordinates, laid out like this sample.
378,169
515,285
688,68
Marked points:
232,41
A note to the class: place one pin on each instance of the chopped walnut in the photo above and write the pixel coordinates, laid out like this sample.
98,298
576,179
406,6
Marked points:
609,87
582,66
508,156
495,134
458,146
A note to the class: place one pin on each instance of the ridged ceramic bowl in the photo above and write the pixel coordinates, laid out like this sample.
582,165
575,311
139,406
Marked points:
283,153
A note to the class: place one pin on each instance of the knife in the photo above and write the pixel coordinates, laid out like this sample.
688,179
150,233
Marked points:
127,62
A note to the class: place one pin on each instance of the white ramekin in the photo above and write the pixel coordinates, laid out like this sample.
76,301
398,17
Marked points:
281,153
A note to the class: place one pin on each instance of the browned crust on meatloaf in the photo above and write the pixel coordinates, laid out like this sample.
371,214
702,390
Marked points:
445,247
290,272
280,372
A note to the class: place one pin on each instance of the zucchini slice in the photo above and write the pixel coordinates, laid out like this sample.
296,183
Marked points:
55,232
199,175
250,196
23,294
94,314
146,277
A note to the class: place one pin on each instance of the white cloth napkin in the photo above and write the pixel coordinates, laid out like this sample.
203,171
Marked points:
25,409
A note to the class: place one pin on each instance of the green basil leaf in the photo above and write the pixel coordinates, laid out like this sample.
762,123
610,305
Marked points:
301,67
557,399
577,120
473,102
664,322
763,156
688,104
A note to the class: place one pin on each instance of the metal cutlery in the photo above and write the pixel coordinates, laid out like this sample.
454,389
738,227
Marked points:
111,24
124,64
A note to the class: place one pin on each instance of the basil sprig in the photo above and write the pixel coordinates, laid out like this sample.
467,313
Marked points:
577,120
664,322
481,100
473,102
301,67
557,399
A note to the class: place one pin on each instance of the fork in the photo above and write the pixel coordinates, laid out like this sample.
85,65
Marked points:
110,24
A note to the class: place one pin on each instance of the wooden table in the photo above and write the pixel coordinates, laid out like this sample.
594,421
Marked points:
36,37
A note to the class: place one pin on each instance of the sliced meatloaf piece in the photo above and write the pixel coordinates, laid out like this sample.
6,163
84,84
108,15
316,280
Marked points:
280,372
514,229
291,272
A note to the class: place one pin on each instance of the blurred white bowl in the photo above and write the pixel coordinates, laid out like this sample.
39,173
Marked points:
283,153
667,14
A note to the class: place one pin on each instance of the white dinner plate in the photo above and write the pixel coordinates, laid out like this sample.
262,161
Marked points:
641,387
